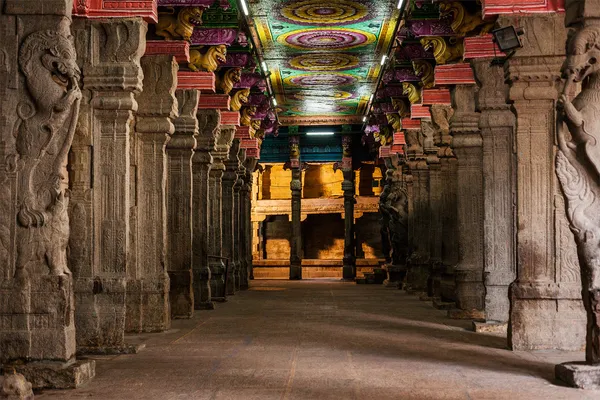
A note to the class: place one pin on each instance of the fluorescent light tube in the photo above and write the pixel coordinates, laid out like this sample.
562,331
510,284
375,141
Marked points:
244,7
383,59
274,102
263,65
320,133
400,4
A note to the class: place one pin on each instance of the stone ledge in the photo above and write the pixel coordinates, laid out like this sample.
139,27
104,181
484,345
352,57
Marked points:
110,350
579,375
56,375
466,314
490,327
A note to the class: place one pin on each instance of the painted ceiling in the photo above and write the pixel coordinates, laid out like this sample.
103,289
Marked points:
324,56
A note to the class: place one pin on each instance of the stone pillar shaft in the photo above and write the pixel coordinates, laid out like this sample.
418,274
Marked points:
180,150
229,180
296,188
348,186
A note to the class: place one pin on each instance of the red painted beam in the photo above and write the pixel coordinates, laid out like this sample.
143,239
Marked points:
249,144
203,81
494,7
418,111
435,96
215,102
481,47
384,151
147,9
408,123
242,132
454,74
230,118
255,153
180,49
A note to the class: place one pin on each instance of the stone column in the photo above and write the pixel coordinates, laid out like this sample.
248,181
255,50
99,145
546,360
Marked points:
246,223
435,206
217,265
444,295
101,248
180,150
546,310
418,261
296,188
497,124
467,144
148,290
40,101
230,177
209,121
349,266
238,193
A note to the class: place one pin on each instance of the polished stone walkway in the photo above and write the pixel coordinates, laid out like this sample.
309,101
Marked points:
325,340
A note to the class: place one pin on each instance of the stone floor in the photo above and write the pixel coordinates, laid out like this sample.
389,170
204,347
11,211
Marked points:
325,340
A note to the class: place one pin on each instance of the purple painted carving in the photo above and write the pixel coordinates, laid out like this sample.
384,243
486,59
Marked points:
429,28
400,75
243,60
256,99
242,39
390,91
193,3
214,36
413,51
251,79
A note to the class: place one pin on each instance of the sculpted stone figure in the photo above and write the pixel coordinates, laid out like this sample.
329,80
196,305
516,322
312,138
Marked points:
239,98
443,51
578,170
394,120
462,21
401,106
44,133
414,94
246,115
393,205
425,71
180,27
208,61
227,80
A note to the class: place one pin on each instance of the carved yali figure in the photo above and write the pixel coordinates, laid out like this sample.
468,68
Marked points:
208,61
44,133
180,27
578,170
228,79
393,205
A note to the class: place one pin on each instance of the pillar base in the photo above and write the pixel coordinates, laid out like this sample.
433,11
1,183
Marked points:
295,273
55,375
440,304
110,350
490,327
417,277
457,313
349,273
579,375
205,306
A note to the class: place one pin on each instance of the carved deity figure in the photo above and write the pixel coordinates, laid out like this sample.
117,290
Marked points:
180,27
44,132
227,80
393,206
209,60
443,51
239,98
578,170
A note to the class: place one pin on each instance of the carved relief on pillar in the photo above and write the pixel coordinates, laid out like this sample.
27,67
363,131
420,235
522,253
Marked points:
547,272
230,177
467,145
180,150
209,124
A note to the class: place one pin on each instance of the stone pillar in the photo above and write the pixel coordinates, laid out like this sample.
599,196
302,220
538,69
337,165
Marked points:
217,264
230,177
444,294
467,144
40,101
209,121
545,310
148,290
497,124
349,266
180,150
238,214
246,223
296,188
101,248
434,167
418,261
577,170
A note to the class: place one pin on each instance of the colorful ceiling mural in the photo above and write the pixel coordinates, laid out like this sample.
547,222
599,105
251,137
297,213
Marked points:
323,56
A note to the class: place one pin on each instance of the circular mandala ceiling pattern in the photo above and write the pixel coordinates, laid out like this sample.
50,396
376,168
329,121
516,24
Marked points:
335,95
325,62
327,39
328,80
318,12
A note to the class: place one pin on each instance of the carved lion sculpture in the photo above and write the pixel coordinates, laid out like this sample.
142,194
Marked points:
208,61
578,170
462,21
414,94
401,106
246,115
442,51
227,80
44,134
394,120
180,27
239,98
425,71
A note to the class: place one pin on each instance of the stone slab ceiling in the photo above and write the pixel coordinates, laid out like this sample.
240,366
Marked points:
324,56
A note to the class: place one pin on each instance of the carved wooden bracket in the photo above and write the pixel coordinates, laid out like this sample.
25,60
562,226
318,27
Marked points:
454,74
418,111
408,123
179,49
203,81
215,101
435,96
147,9
230,118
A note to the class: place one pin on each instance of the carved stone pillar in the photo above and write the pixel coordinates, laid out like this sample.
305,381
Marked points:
467,144
348,186
497,124
435,206
546,310
217,264
180,150
148,288
40,101
230,177
418,261
237,215
577,169
444,294
246,222
102,255
296,188
208,121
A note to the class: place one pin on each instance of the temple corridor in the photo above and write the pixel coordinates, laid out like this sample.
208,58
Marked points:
324,339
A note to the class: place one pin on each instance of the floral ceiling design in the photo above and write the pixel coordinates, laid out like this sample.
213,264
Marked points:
324,56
